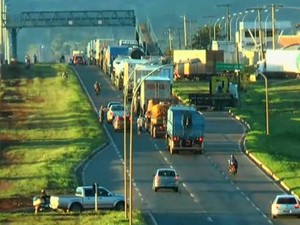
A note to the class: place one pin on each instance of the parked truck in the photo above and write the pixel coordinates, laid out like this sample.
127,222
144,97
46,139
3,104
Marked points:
280,63
221,94
185,129
84,199
156,117
196,64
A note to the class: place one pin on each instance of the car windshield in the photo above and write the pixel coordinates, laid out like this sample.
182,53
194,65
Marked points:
287,200
166,173
117,108
113,103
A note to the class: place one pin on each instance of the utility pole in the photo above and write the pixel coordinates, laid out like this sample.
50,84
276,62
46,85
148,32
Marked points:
274,35
170,37
179,38
1,33
227,19
185,32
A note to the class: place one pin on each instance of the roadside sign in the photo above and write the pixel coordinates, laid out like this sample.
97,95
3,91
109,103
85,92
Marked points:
229,66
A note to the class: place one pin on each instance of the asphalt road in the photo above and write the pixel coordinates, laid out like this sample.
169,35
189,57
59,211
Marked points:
207,194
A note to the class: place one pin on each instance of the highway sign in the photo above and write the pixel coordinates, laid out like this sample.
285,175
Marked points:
229,66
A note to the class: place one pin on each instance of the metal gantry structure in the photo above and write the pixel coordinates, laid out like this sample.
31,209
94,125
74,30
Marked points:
71,19
43,19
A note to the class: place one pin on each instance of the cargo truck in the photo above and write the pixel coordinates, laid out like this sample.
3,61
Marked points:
196,64
127,73
158,87
221,94
156,117
111,53
142,70
185,129
280,63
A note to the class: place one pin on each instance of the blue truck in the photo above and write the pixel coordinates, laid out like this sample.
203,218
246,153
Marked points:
185,129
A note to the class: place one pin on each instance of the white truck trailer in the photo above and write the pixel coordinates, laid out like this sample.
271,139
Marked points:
280,63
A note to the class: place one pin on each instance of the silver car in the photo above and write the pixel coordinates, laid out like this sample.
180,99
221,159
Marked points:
165,178
284,205
113,111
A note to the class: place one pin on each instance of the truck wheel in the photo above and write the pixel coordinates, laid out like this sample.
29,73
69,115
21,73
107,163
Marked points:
76,207
120,206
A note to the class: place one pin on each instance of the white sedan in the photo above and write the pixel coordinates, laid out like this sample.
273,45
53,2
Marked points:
284,205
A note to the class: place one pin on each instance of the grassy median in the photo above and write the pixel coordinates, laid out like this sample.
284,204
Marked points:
85,218
280,150
47,127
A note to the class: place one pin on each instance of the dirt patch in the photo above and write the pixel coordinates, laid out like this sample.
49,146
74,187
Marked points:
16,205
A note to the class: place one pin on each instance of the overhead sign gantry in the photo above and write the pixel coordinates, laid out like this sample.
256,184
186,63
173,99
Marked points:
43,19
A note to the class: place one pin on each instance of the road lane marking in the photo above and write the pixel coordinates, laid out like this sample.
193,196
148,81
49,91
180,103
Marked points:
209,219
108,134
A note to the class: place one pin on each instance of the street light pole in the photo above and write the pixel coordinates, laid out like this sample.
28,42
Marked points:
267,103
260,32
131,140
125,87
209,24
227,19
125,146
215,28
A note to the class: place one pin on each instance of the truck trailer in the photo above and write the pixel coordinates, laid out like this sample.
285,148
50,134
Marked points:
196,64
221,94
158,87
185,129
280,63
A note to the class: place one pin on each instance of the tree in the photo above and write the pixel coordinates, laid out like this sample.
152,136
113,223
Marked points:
203,38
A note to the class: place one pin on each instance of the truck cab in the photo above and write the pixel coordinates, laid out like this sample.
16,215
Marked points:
185,129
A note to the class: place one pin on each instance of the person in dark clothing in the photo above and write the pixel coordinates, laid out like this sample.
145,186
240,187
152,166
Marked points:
101,114
233,163
44,196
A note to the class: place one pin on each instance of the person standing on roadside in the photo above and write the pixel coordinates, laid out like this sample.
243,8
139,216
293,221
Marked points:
101,114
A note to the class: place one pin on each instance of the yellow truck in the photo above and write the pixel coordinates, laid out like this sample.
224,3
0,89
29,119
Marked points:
156,116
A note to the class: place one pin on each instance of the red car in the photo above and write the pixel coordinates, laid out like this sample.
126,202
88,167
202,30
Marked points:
79,59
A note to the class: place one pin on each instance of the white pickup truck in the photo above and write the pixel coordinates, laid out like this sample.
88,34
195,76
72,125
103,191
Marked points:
84,199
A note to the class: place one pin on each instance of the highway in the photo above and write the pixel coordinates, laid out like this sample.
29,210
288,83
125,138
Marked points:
207,194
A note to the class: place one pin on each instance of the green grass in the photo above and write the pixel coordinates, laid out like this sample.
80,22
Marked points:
86,218
52,129
280,150
183,87
47,127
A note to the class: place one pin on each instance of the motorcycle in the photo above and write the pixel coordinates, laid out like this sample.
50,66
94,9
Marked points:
41,204
232,169
97,89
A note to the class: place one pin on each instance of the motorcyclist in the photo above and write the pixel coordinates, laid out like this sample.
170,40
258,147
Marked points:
140,122
97,87
233,162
